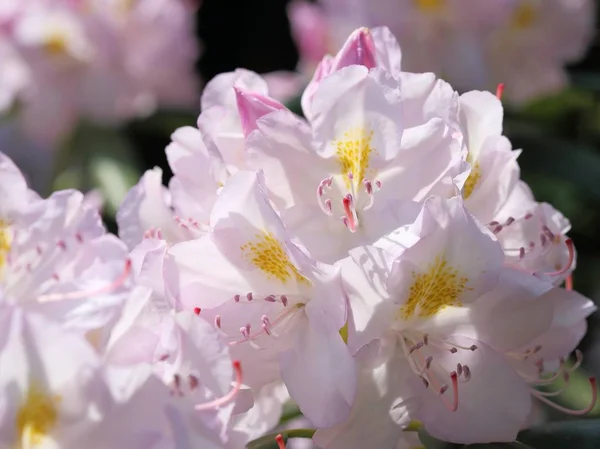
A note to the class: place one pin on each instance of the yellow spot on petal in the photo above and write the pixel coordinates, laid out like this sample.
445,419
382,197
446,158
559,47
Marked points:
267,254
37,417
440,286
524,15
56,43
5,241
353,151
429,6
472,181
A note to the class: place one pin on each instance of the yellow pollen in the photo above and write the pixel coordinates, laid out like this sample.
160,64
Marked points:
36,417
5,240
472,181
429,6
353,151
440,286
267,254
56,43
524,15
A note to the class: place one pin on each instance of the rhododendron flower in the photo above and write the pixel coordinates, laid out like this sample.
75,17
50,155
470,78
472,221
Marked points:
56,259
372,154
48,382
446,308
281,310
471,44
102,61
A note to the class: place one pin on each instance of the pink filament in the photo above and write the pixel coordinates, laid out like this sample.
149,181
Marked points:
569,263
581,412
224,400
86,294
280,442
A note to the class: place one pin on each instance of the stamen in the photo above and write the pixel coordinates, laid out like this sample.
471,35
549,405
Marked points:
245,331
86,294
224,400
416,347
560,408
350,219
325,205
466,372
569,263
569,283
454,377
280,442
500,91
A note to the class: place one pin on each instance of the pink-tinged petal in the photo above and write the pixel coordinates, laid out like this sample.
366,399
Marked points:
323,69
353,103
493,403
283,149
146,207
13,189
285,86
243,217
252,106
518,301
388,53
359,49
147,262
450,236
381,410
481,116
219,90
309,29
319,373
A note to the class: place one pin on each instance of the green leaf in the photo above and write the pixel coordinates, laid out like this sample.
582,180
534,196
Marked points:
578,434
295,105
268,441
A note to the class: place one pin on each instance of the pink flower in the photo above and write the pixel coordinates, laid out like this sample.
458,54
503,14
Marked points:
102,62
56,259
280,310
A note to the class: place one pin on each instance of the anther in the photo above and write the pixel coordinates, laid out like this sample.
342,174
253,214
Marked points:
224,400
473,347
459,369
416,347
271,298
428,362
510,221
548,232
245,331
497,229
453,350
284,300
193,382
425,339
521,253
466,372
425,382
368,187
444,389
218,321
249,296
236,298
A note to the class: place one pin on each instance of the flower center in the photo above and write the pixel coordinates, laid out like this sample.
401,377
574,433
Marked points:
472,181
438,287
524,15
5,241
353,151
429,6
36,417
56,43
267,254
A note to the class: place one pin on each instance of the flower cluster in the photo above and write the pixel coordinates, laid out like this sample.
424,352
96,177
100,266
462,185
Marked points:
472,44
95,60
379,262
